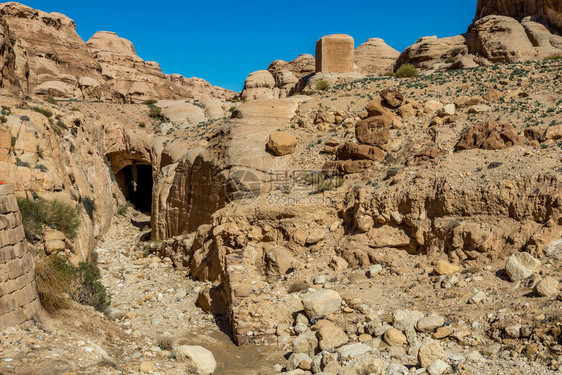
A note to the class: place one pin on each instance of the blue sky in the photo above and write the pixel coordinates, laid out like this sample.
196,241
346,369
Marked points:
224,41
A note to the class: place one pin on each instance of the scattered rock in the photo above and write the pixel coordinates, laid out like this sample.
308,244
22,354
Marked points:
548,287
322,302
282,143
198,357
521,265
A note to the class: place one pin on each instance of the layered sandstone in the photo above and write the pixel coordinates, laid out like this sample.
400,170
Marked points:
62,65
548,11
19,302
375,57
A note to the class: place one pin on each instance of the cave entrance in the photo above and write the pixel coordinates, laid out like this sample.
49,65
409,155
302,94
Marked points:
135,182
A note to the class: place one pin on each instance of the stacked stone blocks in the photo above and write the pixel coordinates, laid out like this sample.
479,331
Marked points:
19,302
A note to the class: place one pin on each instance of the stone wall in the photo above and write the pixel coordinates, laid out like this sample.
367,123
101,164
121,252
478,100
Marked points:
19,301
335,54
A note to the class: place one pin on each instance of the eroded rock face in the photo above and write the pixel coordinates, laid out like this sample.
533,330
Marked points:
107,67
14,68
549,11
190,188
259,85
52,44
66,164
500,39
428,51
375,57
493,135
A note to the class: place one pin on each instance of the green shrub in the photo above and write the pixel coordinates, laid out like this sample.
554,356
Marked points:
150,101
142,125
451,59
43,111
321,183
6,111
33,218
553,58
407,70
390,73
54,214
322,85
53,276
24,118
75,109
87,289
3,119
155,112
123,209
50,99
90,207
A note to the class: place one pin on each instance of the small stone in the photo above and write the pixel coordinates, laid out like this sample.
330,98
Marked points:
147,366
315,236
374,270
351,351
438,367
394,337
480,108
321,303
521,265
442,332
430,323
477,298
445,268
548,287
402,319
319,280
429,352
331,337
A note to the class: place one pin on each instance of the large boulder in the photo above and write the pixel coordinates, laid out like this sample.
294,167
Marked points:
198,357
375,57
259,86
492,135
428,51
500,39
521,265
322,302
281,143
373,131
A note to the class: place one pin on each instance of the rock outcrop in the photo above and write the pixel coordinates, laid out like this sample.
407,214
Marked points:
375,57
14,67
428,51
58,159
61,64
549,12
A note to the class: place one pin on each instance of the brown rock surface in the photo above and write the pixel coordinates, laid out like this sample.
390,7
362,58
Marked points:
493,135
550,11
373,131
335,54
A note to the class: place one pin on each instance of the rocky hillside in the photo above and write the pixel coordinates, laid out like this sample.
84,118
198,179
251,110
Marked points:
50,59
325,222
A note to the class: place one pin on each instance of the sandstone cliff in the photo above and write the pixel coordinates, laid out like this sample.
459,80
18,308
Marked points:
548,11
62,65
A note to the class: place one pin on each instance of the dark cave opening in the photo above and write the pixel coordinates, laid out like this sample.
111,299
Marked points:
135,182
